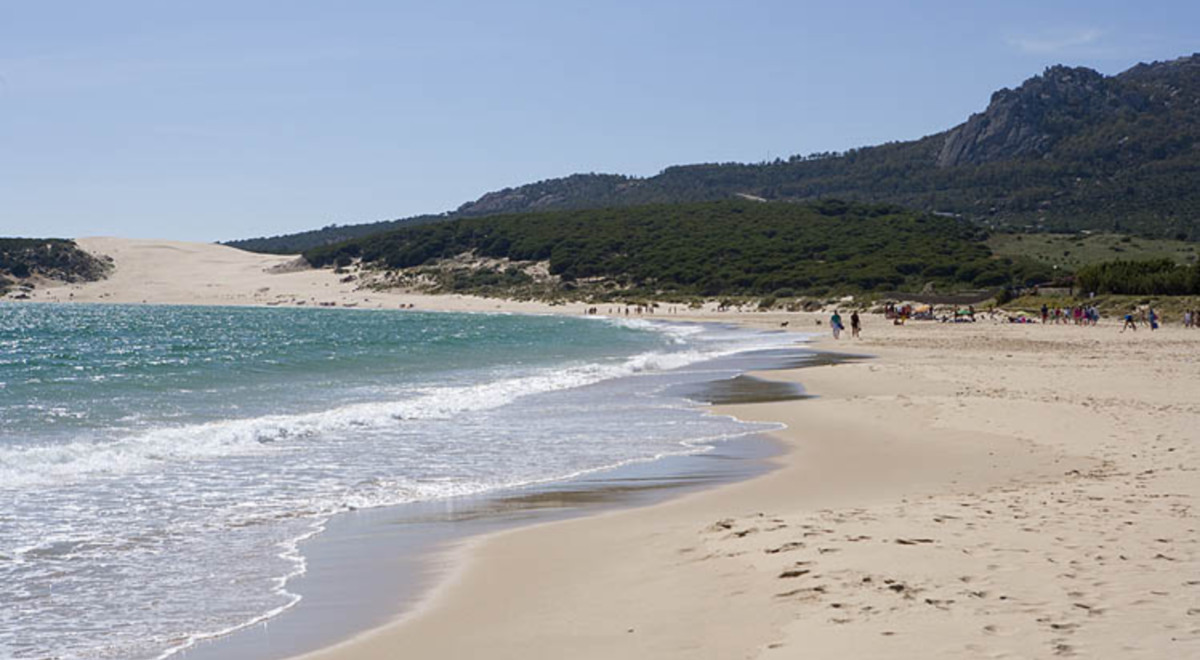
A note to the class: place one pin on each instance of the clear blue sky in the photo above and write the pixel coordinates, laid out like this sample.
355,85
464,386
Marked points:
226,119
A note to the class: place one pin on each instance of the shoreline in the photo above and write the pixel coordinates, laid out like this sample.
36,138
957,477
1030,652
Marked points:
847,549
413,546
374,567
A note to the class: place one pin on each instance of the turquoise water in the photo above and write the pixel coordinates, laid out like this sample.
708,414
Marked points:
173,459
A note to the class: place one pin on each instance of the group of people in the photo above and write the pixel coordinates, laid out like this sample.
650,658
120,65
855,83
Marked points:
835,323
899,314
1191,318
636,309
1147,317
1079,315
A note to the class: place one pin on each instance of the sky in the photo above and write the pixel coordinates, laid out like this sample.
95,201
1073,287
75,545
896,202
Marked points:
221,119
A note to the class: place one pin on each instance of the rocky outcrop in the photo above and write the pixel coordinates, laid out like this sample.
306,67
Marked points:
1029,120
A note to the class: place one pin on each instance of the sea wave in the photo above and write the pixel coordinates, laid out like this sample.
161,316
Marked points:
57,464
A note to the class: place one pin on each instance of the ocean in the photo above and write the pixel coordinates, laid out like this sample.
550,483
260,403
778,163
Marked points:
161,467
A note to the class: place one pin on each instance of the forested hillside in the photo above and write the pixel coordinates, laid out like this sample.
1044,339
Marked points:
297,243
1068,150
714,248
1160,277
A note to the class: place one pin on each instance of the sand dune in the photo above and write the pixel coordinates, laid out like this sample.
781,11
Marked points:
178,272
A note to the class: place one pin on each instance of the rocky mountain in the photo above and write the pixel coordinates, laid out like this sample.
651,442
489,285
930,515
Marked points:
1029,120
1065,103
1067,150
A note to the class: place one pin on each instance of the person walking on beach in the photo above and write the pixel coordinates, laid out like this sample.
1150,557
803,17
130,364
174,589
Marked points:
855,324
1045,313
1129,323
835,322
1153,319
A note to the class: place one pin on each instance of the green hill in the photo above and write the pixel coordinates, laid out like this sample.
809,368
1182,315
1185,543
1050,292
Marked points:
297,243
707,248
1068,150
1065,151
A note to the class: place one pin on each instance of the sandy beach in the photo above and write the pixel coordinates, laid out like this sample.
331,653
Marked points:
974,490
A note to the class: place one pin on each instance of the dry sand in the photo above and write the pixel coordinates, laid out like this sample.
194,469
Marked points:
976,491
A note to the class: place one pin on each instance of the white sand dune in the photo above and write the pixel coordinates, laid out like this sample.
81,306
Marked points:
184,273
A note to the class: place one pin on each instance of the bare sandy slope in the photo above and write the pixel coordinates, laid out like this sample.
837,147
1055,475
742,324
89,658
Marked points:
183,273
985,491
177,272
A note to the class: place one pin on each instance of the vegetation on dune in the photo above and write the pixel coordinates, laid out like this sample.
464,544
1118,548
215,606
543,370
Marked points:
53,258
713,249
1149,277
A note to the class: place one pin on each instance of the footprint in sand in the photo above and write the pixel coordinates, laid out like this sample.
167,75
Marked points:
786,547
794,573
1062,648
722,525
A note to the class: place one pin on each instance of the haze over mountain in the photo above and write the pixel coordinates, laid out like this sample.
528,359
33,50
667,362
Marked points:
1067,150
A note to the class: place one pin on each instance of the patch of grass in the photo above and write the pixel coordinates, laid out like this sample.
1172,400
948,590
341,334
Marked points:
1070,252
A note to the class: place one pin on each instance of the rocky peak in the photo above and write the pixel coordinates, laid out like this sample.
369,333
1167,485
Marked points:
1029,120
1169,83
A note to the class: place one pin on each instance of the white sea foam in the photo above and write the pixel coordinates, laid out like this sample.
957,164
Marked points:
56,464
678,333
